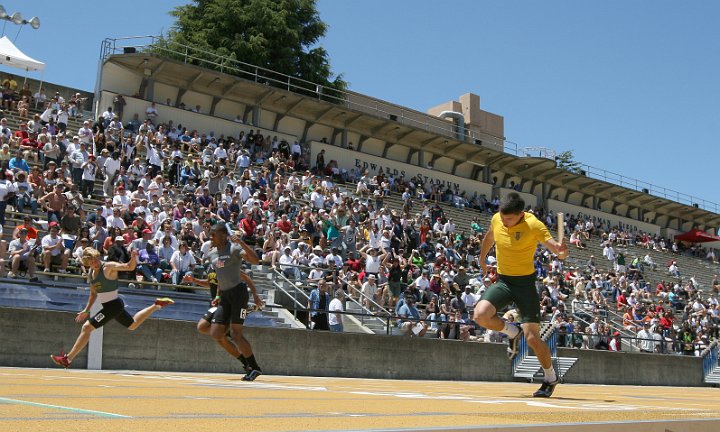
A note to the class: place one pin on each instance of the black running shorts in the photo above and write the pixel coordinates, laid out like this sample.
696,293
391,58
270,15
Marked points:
209,314
114,309
519,290
233,305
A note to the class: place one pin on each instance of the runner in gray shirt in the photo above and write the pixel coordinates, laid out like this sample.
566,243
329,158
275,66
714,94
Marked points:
231,303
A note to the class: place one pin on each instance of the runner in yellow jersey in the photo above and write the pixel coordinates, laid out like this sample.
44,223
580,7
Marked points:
516,234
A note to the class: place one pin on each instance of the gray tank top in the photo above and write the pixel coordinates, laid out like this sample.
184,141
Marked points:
228,265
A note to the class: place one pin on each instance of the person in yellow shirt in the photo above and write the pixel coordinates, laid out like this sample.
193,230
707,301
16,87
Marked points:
515,235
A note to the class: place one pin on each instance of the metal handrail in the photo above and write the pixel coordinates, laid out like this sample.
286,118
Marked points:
377,107
386,314
367,313
294,295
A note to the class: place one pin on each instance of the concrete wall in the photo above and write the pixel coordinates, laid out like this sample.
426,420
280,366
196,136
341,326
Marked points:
530,199
631,224
348,159
605,367
29,336
201,122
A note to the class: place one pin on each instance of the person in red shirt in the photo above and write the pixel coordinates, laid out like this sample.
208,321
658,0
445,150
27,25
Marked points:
284,224
30,143
248,225
28,224
622,301
21,134
667,320
354,263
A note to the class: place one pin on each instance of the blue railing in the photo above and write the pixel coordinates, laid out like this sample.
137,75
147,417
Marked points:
523,349
522,352
710,359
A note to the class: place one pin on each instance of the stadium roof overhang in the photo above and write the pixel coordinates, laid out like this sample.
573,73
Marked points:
338,116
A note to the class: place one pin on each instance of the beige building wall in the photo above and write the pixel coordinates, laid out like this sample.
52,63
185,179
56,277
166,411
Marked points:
483,125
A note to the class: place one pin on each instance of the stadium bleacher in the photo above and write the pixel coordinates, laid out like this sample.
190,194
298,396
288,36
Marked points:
269,279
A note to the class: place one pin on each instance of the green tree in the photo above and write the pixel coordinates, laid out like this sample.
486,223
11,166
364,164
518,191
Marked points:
280,35
566,160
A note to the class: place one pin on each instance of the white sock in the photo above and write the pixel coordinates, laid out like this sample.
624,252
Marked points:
550,374
510,330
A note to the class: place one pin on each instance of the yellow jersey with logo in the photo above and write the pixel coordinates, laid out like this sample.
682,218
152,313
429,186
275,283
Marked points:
515,246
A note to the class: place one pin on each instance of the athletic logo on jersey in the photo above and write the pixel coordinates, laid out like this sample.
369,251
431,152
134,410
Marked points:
518,235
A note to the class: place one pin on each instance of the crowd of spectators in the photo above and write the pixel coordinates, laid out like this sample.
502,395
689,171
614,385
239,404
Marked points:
165,184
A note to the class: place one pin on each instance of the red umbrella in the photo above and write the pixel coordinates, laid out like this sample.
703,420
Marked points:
697,236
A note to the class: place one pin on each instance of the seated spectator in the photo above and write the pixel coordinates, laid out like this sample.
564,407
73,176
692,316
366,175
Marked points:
182,263
674,269
53,250
149,263
22,256
410,323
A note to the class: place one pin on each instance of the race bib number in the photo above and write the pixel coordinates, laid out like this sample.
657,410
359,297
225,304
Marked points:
99,317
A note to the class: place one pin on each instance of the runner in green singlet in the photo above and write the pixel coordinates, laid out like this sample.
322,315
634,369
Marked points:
104,287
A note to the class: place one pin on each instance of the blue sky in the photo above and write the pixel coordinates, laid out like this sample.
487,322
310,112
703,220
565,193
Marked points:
630,87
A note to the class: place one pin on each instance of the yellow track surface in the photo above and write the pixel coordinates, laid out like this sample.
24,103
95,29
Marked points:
78,400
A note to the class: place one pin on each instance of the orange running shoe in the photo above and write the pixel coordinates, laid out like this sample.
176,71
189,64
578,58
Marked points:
164,301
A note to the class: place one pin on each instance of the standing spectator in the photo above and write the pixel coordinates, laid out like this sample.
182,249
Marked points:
335,319
111,169
89,173
318,303
119,105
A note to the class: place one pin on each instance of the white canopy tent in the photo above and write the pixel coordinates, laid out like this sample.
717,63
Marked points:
10,55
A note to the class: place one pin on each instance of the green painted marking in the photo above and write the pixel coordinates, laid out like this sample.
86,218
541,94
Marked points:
75,410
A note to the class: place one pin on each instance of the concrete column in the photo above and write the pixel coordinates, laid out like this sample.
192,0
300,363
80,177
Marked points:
256,116
150,90
95,345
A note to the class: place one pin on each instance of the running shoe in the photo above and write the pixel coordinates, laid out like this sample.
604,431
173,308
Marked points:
252,374
514,343
61,360
164,301
546,389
